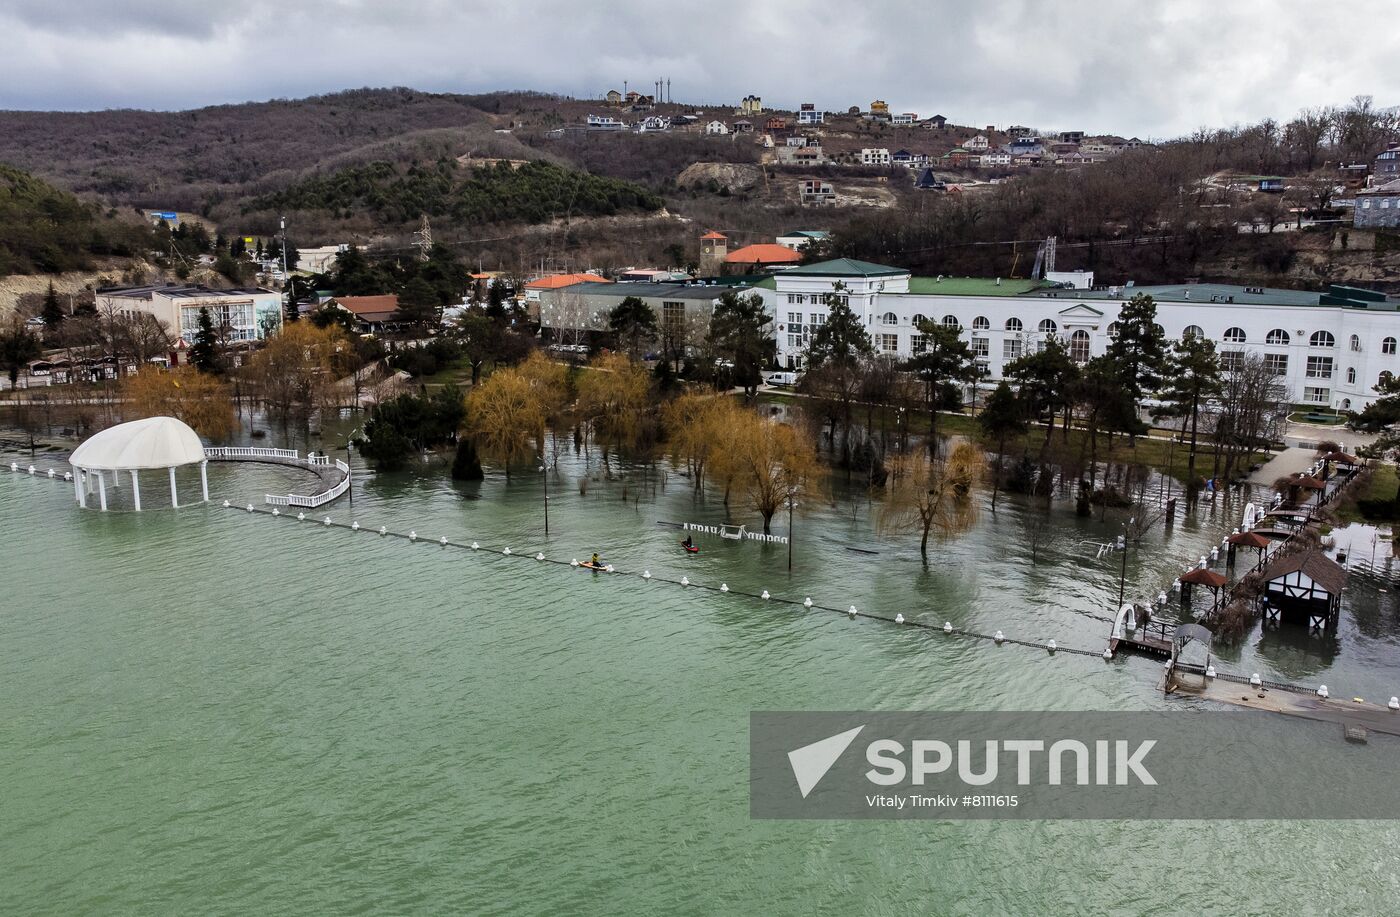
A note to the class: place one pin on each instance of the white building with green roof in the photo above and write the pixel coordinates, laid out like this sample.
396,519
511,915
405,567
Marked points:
1329,349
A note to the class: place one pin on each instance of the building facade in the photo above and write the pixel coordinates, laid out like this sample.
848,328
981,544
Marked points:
247,314
1328,349
1378,207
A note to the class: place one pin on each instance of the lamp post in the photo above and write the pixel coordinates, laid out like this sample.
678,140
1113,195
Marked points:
791,502
1123,572
545,468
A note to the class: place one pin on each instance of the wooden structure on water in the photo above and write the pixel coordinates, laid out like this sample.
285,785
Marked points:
1304,588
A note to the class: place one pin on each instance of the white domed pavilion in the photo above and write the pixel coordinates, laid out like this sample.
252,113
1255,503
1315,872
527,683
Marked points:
141,445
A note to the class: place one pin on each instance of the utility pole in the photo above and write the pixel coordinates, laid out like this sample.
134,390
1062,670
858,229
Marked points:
286,280
424,241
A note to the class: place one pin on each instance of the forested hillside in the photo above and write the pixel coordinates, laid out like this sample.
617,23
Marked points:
395,194
45,230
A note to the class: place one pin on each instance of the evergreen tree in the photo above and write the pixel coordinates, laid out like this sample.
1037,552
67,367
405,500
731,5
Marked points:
1193,376
1045,379
204,352
634,324
946,361
1138,347
740,331
18,345
52,312
842,340
419,305
1002,417
466,466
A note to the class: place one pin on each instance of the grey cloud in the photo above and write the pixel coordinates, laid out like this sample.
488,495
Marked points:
1159,69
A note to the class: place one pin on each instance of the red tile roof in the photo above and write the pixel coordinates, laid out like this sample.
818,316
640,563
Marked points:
714,235
763,253
384,304
564,280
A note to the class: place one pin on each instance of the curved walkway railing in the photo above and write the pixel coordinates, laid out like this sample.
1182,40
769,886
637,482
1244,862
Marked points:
320,464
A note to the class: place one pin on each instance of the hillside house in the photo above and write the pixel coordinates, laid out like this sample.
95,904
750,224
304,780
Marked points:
928,181
880,107
716,128
372,314
936,123
902,158
808,114
742,127
796,141
957,158
1070,137
750,105
799,239
246,314
977,144
995,159
605,123
815,192
1378,207
808,156
652,123
776,123
612,97
1018,130
874,156
1387,166
905,118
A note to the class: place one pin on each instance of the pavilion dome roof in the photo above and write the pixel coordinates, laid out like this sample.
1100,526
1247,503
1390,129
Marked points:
155,442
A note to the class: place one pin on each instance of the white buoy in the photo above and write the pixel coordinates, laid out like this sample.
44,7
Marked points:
609,568
1254,680
250,507
646,574
50,472
443,541
31,469
851,612
538,556
475,546
413,536
1210,671
301,517
998,636
723,587
1322,691
574,563
766,595
67,475
276,511
685,581
326,521
354,526
505,551
1107,655
947,627
807,602
383,530
1394,703
899,618
1052,646
14,466
226,504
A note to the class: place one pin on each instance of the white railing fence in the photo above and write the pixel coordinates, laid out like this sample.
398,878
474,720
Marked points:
286,457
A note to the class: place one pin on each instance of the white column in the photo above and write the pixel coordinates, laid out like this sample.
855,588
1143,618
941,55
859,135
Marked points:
78,486
136,489
204,479
102,490
174,497
116,478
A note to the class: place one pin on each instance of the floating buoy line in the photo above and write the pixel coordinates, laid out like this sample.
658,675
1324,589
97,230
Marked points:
1050,647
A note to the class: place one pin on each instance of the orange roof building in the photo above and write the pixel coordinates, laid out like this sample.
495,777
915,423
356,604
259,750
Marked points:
370,309
764,253
564,280
714,235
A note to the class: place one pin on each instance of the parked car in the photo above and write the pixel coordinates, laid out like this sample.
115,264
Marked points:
781,378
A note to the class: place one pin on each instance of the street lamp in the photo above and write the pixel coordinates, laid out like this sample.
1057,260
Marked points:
1123,546
791,502
545,469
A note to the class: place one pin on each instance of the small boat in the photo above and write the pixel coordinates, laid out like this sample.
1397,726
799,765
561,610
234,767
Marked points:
691,548
589,565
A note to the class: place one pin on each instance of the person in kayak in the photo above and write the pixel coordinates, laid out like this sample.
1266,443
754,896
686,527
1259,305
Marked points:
595,562
688,543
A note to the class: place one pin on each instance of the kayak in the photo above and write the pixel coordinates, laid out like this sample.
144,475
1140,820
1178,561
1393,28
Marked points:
691,548
590,566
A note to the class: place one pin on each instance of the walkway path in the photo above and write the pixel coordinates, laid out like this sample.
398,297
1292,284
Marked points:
1289,461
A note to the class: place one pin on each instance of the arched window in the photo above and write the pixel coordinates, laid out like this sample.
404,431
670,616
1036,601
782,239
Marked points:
1235,336
890,319
1351,376
980,323
1388,346
1384,378
1192,331
951,321
1079,346
1277,336
1047,326
1013,324
1159,329
1322,339
1346,404
919,319
1355,344
1113,329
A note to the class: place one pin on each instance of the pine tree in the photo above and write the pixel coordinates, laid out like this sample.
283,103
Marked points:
946,361
1139,347
1193,376
204,352
1002,417
52,313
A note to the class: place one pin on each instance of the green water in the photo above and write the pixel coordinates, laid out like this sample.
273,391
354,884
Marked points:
206,711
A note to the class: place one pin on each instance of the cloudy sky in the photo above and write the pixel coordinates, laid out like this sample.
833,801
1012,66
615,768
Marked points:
1156,69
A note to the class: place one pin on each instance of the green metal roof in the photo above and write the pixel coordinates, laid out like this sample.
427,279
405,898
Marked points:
972,286
845,267
1207,293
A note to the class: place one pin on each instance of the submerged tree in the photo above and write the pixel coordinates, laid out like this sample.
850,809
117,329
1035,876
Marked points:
931,496
1002,417
1193,377
507,417
295,371
945,362
198,399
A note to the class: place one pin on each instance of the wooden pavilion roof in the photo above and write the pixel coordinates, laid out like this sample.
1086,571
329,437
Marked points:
1203,577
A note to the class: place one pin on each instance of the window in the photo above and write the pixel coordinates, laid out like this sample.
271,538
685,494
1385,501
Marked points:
1013,324
1192,331
951,321
1079,346
888,343
1322,339
794,341
1319,367
1235,336
1317,395
795,318
1232,361
1351,376
1011,349
1113,329
981,347
980,323
919,319
1047,326
794,299
1388,346
918,343
1384,378
1355,344
889,318
1277,336
1276,363
817,319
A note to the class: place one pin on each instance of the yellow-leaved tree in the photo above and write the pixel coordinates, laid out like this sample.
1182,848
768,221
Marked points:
507,415
297,369
199,399
614,400
932,495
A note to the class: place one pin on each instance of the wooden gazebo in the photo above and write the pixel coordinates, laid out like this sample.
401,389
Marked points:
1245,540
1304,588
1202,576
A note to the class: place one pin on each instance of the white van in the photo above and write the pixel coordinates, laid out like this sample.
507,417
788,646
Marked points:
781,378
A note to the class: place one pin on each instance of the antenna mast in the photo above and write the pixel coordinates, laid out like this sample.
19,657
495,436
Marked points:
424,239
